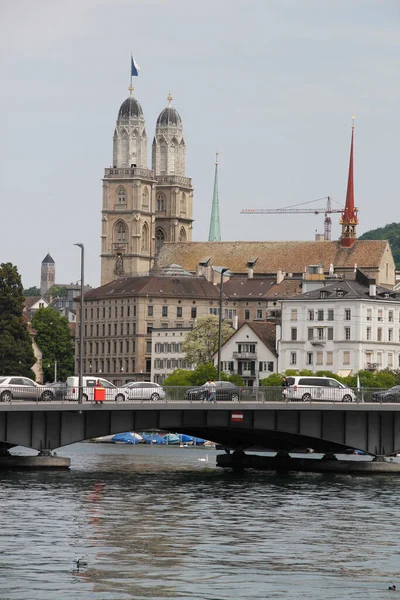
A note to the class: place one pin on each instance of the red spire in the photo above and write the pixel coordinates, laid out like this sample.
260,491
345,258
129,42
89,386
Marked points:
349,218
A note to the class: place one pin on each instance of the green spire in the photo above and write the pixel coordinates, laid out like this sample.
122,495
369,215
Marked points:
215,230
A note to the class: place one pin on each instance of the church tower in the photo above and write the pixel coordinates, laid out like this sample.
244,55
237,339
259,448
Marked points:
47,274
215,229
174,192
349,220
128,213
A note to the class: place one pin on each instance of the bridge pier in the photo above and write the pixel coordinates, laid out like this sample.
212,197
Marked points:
283,462
44,460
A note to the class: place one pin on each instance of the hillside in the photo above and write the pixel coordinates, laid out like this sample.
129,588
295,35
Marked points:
389,232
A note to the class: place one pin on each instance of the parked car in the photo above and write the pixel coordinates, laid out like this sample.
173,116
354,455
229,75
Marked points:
23,388
58,388
391,395
144,390
317,388
89,383
225,390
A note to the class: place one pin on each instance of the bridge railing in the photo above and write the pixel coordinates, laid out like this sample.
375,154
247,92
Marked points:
201,395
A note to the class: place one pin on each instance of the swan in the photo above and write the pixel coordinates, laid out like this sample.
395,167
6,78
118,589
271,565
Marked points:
204,459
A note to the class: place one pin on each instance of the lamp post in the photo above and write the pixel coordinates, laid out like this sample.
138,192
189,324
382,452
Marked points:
221,290
80,372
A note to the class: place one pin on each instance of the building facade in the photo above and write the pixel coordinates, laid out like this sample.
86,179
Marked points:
167,354
250,352
342,327
142,207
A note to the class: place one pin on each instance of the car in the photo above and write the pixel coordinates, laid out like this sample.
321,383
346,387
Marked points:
89,383
391,395
224,390
144,390
23,388
317,388
59,389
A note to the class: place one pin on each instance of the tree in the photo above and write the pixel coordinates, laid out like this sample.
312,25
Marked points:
388,232
274,380
32,291
54,340
57,291
202,342
16,352
179,377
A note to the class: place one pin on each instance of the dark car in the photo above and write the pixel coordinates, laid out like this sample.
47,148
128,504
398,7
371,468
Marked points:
392,395
59,389
224,390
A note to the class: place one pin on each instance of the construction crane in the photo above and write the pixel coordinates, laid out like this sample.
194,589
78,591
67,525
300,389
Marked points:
294,209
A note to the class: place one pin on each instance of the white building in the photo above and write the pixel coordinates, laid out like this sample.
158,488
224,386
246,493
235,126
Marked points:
167,352
342,327
250,352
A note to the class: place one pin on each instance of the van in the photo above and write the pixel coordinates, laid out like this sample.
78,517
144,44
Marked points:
89,383
317,388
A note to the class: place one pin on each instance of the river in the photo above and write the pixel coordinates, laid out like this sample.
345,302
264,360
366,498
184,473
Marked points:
158,523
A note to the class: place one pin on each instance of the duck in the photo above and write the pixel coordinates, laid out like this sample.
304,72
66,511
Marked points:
392,588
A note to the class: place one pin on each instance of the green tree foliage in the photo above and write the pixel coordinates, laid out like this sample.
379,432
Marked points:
54,340
389,232
179,377
16,353
273,380
202,342
57,291
32,291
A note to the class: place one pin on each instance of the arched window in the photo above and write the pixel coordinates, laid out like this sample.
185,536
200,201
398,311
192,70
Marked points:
145,198
182,235
121,232
160,239
183,204
145,238
121,196
160,203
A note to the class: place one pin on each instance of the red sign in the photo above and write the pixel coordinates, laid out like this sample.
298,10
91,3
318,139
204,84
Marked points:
237,417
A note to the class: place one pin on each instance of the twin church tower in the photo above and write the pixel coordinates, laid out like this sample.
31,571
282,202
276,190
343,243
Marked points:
142,207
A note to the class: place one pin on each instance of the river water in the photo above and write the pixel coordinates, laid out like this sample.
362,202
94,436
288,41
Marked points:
157,523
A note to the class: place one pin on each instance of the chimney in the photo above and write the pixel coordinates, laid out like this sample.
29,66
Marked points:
250,267
235,322
372,288
280,276
250,272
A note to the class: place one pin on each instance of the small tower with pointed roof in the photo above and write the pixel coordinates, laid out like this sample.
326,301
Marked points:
215,229
174,192
349,220
47,274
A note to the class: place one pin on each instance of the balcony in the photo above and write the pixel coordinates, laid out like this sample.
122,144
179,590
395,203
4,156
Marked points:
315,341
128,173
371,366
245,355
174,180
245,373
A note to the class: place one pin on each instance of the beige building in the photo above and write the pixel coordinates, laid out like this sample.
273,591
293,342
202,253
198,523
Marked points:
142,207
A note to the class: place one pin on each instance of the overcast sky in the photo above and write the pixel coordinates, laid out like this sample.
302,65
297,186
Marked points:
271,84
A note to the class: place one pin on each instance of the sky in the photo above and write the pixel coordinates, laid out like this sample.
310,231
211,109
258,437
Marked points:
270,84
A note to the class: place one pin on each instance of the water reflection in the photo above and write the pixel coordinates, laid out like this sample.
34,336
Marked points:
157,523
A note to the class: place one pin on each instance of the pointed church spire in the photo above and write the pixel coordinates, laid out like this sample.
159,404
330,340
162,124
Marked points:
215,230
349,218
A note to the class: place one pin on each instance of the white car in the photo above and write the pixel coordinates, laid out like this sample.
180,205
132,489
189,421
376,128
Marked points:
144,390
23,388
308,388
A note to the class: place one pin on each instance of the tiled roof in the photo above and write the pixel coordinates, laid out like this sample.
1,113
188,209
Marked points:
292,257
265,331
31,300
239,288
348,290
178,287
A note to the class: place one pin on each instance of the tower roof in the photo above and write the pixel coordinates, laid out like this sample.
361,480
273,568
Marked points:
215,229
130,108
48,260
169,115
349,218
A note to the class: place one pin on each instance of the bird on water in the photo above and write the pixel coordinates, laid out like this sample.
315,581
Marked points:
204,459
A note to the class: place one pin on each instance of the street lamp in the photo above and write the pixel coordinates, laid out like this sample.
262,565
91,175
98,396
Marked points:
80,371
222,270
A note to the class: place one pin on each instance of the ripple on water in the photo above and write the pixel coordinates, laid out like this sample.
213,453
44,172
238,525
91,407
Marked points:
157,523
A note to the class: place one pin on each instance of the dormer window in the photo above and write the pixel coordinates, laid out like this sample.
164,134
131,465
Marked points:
323,294
339,293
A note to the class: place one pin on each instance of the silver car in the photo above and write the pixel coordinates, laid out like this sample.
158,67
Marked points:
144,390
22,388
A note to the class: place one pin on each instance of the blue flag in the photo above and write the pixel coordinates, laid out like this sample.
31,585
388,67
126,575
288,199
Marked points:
134,67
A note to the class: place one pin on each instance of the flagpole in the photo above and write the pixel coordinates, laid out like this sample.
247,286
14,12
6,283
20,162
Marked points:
131,86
